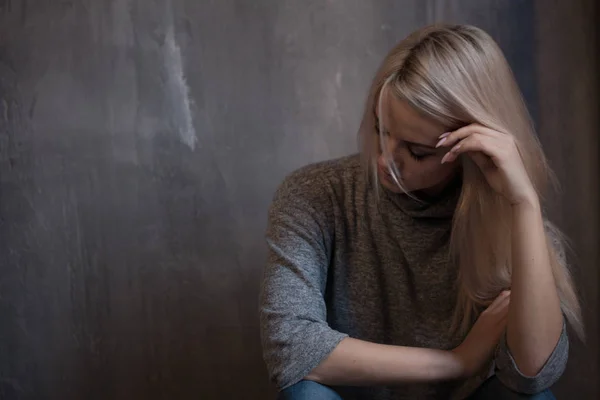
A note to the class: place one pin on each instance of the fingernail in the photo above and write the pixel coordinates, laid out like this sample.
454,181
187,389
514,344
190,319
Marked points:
443,135
455,148
445,158
441,142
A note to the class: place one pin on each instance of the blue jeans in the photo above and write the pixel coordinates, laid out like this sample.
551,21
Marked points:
492,389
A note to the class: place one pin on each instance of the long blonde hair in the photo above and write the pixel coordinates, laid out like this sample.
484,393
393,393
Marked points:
457,75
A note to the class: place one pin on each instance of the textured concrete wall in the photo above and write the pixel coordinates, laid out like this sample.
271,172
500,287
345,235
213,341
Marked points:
567,79
140,144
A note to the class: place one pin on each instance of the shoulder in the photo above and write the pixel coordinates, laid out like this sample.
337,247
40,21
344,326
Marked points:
319,180
305,198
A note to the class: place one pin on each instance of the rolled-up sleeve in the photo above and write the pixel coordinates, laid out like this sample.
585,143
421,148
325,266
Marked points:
509,374
293,315
506,367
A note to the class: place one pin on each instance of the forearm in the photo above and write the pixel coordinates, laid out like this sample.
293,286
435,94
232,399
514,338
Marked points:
534,319
359,363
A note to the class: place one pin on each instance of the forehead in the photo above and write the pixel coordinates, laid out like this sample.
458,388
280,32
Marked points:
404,121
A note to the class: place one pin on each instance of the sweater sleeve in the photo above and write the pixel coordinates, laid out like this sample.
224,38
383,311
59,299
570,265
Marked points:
293,316
506,368
509,374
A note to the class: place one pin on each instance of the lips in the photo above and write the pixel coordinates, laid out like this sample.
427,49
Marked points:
385,173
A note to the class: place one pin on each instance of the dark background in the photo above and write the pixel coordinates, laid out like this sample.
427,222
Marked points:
141,142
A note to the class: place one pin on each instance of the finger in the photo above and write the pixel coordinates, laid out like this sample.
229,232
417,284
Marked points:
501,325
450,138
501,308
501,320
497,321
499,301
504,319
505,294
475,143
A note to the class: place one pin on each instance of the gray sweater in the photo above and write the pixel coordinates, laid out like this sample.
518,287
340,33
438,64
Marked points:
344,262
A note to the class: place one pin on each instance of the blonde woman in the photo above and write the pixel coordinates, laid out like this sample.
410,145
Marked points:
423,269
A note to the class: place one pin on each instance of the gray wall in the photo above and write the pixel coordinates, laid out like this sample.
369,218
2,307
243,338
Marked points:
566,72
141,142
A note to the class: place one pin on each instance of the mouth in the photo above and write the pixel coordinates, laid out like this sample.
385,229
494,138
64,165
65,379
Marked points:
385,174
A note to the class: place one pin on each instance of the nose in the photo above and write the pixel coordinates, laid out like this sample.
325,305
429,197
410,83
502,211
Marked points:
389,153
383,163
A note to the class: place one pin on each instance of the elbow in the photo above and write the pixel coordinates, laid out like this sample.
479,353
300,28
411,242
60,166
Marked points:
531,377
284,376
529,369
323,373
315,376
531,364
531,358
532,361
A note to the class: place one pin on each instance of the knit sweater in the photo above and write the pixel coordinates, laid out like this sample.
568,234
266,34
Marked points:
347,260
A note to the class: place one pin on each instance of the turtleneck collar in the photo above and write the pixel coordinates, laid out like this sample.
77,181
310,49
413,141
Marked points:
442,205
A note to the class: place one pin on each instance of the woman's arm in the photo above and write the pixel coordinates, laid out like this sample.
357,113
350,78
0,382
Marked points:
535,320
297,341
355,362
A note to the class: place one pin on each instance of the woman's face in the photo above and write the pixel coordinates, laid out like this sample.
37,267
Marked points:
410,139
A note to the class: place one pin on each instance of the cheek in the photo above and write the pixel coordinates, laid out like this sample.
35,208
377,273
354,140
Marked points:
443,172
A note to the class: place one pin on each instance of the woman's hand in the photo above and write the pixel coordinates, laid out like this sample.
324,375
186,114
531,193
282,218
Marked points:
497,156
478,347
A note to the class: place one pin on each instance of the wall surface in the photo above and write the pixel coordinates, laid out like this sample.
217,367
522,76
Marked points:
567,79
141,142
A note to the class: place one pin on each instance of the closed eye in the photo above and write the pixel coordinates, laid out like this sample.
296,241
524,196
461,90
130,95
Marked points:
415,150
417,154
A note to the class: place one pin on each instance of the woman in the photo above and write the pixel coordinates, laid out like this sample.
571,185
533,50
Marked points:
424,267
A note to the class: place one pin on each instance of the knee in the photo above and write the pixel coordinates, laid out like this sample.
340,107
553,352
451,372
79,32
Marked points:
493,389
305,390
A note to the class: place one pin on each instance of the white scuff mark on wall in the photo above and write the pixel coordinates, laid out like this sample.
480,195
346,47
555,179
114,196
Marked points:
338,79
180,103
